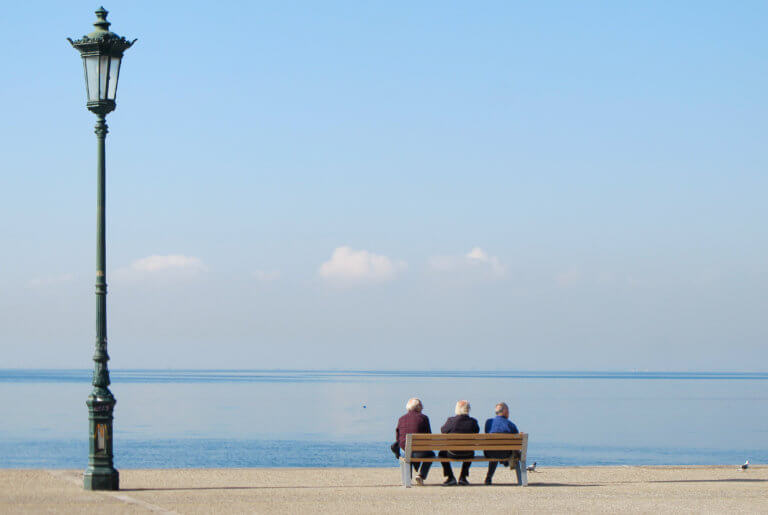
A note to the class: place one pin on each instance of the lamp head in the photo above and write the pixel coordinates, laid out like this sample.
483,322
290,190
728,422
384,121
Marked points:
102,52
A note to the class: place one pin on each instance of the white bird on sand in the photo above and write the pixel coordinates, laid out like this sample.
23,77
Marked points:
531,468
745,466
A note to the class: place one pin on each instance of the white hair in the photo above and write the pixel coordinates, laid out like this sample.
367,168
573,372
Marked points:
462,408
413,404
501,408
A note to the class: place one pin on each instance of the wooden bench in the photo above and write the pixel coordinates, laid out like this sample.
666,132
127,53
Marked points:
466,442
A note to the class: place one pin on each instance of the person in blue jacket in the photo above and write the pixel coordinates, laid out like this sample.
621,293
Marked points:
498,424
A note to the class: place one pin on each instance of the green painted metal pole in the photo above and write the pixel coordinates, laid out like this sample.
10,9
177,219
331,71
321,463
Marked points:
101,473
102,52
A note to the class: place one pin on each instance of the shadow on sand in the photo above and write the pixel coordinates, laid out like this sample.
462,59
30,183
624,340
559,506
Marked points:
289,487
192,488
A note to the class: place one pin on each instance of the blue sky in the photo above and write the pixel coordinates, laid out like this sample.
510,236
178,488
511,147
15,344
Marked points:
494,185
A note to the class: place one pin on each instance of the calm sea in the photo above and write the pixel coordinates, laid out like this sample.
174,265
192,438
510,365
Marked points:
310,418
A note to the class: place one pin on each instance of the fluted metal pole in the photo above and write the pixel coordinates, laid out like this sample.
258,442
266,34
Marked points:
101,473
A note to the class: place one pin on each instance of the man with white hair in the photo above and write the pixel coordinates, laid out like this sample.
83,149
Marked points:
414,421
499,424
461,423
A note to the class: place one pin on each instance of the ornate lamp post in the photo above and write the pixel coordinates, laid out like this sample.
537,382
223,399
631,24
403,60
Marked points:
102,52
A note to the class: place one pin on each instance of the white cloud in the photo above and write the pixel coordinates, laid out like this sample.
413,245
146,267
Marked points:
350,265
39,282
476,259
266,275
172,265
170,262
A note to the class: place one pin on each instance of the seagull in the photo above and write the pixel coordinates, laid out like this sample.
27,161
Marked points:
745,466
531,468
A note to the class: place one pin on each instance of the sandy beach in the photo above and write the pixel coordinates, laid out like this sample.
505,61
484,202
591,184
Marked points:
348,490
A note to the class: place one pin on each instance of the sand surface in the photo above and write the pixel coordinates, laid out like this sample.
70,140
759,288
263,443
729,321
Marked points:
587,489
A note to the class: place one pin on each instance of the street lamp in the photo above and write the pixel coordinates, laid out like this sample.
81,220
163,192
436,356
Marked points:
102,52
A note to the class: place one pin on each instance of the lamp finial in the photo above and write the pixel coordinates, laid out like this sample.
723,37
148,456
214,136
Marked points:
101,23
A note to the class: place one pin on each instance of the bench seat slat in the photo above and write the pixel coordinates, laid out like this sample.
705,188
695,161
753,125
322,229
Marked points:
461,447
464,442
468,440
476,458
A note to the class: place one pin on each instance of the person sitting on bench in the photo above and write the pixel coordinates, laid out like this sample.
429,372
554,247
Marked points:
461,423
414,421
499,424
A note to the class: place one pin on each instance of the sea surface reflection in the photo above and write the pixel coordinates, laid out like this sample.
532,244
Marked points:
345,418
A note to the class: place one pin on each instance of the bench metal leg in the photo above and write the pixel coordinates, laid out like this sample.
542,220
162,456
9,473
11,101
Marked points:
405,473
522,473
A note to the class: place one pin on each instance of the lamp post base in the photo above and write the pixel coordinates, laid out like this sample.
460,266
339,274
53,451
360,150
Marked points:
101,480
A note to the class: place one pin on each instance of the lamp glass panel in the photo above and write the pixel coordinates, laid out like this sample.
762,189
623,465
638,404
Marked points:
114,70
103,76
91,63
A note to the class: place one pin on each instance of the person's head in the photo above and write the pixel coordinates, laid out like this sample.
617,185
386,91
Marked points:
414,404
502,410
462,408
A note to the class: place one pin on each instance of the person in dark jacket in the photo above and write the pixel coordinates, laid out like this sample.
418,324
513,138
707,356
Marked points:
414,421
498,424
461,423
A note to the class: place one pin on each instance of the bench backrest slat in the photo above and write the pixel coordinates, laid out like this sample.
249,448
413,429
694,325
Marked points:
460,447
468,442
468,436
